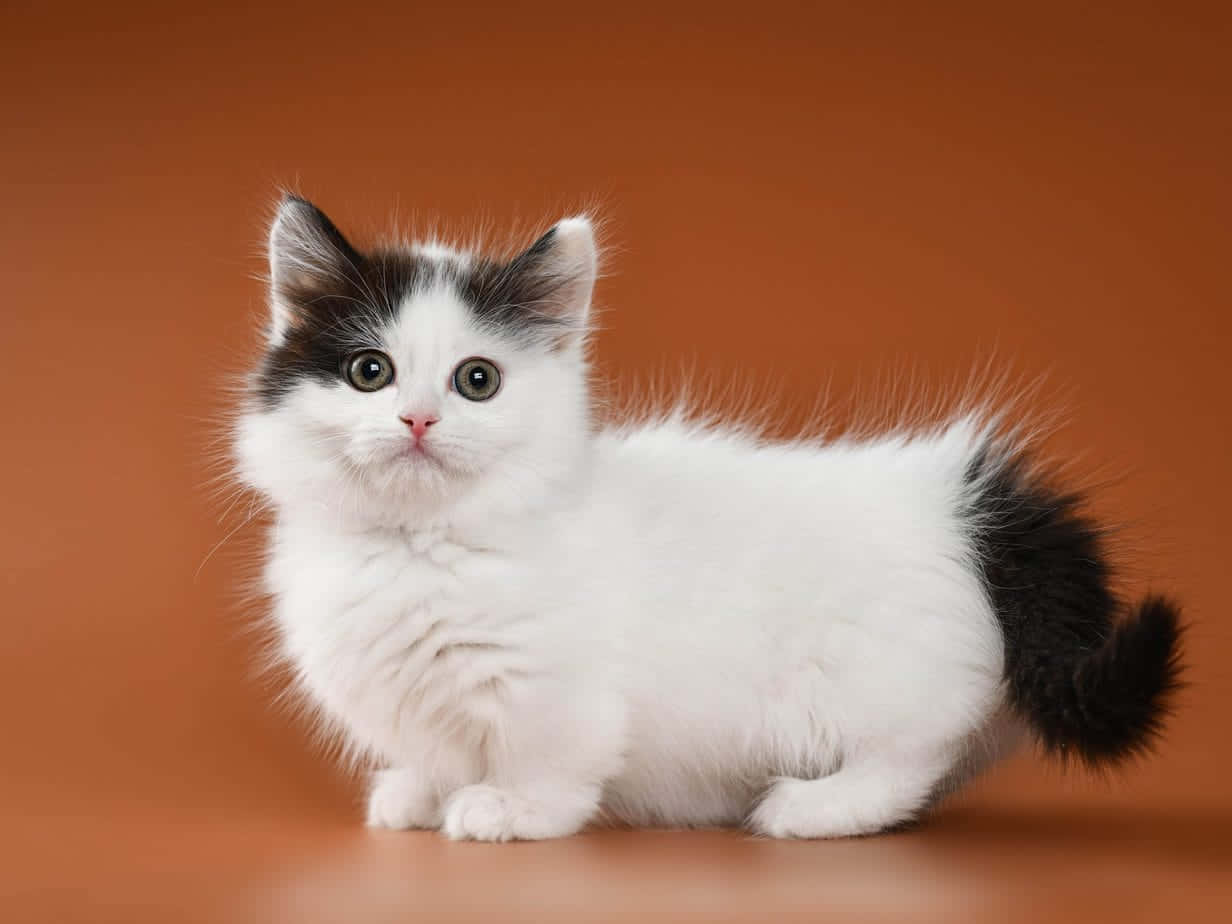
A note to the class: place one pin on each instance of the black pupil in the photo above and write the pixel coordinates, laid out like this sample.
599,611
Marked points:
478,377
370,369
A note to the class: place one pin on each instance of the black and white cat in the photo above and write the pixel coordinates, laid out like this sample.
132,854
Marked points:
533,621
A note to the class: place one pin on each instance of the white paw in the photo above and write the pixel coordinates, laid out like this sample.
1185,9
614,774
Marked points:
399,800
782,812
835,806
485,813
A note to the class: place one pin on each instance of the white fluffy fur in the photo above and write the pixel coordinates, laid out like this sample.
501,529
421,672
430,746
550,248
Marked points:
549,623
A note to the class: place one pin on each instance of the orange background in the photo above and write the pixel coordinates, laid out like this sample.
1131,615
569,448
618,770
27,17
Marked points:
799,195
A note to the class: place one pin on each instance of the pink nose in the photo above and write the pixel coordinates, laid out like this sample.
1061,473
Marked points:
419,423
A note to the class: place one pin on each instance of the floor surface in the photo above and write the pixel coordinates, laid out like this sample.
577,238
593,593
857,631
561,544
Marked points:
977,860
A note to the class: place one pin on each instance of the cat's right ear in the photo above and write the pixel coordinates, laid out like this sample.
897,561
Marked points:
308,257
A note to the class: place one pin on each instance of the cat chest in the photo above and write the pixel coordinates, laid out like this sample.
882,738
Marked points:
399,643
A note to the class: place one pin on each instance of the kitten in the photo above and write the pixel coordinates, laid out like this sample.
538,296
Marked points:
532,621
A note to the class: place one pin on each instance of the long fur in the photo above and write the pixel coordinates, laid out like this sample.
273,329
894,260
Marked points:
532,620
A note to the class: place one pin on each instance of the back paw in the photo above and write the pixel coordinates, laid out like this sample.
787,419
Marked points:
858,799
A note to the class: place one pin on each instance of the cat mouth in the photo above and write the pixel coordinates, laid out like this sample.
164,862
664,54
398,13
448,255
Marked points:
417,452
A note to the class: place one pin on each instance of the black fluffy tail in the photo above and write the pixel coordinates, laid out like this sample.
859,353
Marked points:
1090,676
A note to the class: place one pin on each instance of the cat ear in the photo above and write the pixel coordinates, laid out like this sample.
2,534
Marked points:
308,257
550,284
568,259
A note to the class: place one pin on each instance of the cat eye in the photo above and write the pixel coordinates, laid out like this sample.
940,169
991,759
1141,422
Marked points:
476,379
369,370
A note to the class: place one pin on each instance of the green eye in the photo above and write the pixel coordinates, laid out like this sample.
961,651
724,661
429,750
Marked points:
369,370
476,379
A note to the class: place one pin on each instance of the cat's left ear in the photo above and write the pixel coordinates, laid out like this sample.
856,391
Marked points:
568,259
546,289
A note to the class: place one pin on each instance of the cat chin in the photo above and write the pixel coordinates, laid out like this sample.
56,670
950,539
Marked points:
400,460
419,475
419,455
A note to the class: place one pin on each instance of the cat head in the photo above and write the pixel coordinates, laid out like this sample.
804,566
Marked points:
400,383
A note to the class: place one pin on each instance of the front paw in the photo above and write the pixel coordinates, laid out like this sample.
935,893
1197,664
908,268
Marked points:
399,800
486,813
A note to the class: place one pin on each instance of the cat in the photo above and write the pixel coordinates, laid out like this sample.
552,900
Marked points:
530,621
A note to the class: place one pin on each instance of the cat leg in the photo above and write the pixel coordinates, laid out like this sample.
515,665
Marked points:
546,769
865,795
412,796
402,798
546,809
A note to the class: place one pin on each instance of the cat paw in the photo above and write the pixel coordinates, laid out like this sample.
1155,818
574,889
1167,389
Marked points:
782,810
400,801
842,805
486,813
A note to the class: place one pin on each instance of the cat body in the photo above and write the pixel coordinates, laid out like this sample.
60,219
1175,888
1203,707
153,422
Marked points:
532,621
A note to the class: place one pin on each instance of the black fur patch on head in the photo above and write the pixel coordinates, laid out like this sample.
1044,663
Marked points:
518,298
336,293
1087,682
331,314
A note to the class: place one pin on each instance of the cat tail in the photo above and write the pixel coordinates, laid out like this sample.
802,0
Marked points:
1092,677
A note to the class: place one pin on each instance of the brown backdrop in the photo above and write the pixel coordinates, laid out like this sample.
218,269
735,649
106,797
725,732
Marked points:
801,195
